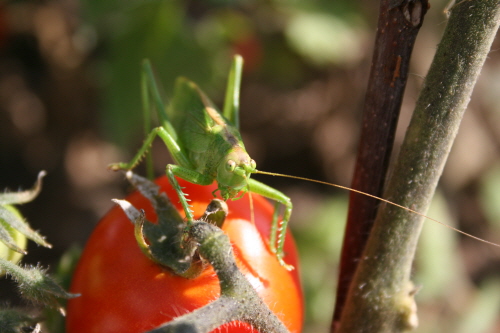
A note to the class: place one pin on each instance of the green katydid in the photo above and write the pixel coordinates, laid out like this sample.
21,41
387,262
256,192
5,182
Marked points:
207,146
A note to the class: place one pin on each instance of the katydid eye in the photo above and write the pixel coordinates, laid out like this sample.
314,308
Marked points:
253,165
230,165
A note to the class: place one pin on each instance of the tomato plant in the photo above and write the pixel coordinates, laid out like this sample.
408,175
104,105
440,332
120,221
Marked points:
123,291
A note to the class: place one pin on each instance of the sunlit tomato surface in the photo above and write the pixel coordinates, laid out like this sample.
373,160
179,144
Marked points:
122,291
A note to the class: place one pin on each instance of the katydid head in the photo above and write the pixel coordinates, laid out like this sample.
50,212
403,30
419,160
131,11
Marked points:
233,173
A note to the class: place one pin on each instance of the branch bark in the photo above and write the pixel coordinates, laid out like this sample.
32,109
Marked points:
380,298
397,30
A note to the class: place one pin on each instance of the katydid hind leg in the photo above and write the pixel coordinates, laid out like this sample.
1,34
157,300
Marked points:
166,132
232,100
146,113
274,227
172,145
192,177
150,89
278,231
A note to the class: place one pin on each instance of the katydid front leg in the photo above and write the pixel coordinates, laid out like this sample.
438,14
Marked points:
169,141
279,231
184,171
192,177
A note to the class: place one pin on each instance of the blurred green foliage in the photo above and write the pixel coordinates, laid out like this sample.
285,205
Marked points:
278,39
155,30
319,239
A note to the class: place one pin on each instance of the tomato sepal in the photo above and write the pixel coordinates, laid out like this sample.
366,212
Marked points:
164,242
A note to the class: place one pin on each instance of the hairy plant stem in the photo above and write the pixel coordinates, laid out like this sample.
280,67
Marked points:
397,29
238,300
380,298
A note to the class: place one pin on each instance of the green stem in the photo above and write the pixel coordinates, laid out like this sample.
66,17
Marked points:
381,296
238,300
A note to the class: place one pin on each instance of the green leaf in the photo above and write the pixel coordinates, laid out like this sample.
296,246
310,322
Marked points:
12,242
35,285
6,233
23,196
15,220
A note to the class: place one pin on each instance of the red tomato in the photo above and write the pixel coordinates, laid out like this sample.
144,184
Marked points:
123,291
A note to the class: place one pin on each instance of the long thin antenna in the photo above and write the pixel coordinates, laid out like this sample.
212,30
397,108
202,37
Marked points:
378,198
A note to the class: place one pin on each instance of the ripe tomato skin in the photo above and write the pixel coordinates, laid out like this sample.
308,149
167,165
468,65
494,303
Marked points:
123,291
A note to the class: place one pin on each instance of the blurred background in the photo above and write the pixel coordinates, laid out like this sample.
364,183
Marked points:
70,105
